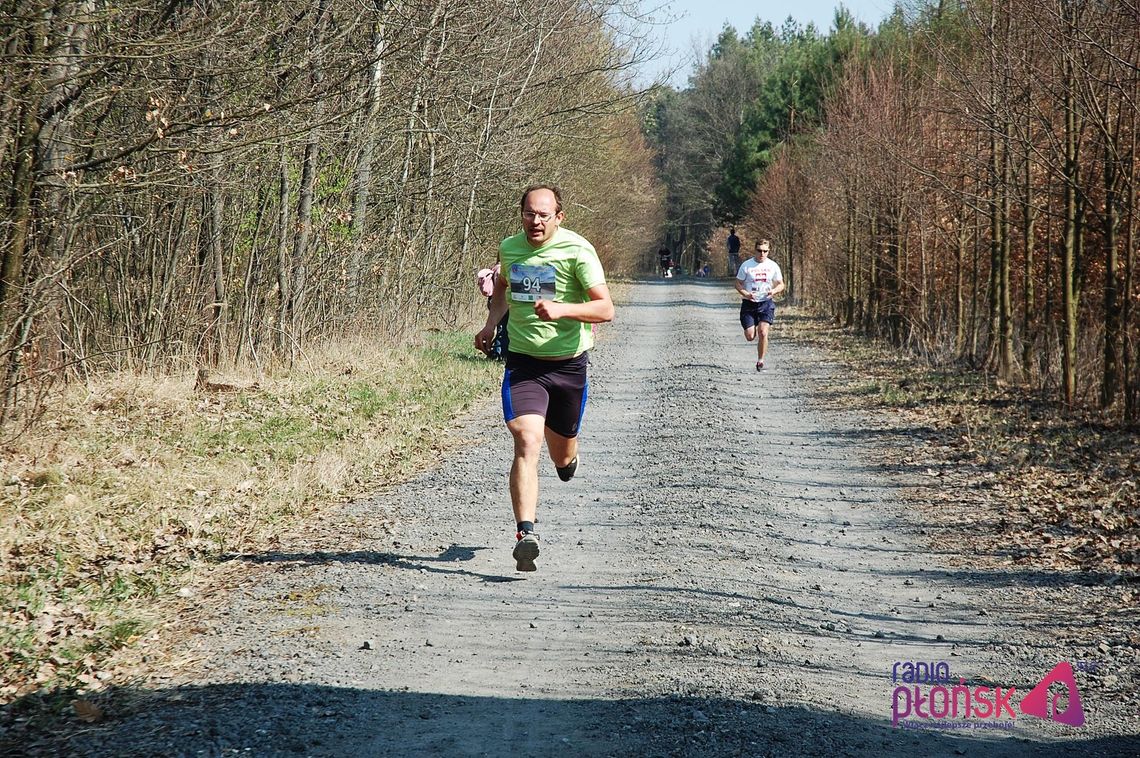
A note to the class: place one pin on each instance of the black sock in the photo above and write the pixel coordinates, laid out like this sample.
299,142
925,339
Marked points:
526,526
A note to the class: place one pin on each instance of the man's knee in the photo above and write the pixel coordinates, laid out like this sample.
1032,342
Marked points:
750,334
528,437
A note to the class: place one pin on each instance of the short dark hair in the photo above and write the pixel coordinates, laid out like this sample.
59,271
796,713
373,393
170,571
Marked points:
552,187
763,241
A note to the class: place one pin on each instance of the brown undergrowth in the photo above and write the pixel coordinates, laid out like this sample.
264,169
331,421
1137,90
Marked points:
1020,480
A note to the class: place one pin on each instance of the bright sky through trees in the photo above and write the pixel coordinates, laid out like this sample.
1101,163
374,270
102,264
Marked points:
685,22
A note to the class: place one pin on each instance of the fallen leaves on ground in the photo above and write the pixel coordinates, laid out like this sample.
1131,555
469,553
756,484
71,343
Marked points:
1009,475
87,712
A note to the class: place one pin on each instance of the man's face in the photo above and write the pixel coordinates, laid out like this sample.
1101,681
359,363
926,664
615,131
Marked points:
761,251
540,217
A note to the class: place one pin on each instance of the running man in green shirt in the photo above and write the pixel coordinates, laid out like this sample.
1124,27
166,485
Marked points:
554,289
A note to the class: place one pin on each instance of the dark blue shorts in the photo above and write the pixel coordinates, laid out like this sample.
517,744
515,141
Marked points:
752,313
555,390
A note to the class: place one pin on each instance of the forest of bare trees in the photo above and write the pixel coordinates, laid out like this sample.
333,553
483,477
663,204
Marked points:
199,183
203,182
980,182
960,181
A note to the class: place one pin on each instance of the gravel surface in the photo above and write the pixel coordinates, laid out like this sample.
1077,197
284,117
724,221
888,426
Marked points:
728,574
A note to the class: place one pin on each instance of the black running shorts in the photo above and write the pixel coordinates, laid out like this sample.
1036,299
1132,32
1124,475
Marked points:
555,390
752,313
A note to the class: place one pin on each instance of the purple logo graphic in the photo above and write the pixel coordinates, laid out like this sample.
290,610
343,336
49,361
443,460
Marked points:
927,699
1038,703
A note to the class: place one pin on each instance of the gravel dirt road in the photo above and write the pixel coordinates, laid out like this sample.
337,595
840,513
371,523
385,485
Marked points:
730,573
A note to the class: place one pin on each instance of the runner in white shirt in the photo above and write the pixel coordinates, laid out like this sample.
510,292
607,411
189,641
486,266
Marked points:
757,280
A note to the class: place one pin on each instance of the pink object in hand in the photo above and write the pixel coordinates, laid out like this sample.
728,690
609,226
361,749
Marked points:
485,280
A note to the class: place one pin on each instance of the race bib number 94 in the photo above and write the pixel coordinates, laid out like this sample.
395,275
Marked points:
532,283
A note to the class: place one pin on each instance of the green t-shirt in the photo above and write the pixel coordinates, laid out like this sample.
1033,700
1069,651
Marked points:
561,270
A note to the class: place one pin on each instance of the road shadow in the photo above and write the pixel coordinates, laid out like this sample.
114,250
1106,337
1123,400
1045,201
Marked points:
453,554
279,719
1016,577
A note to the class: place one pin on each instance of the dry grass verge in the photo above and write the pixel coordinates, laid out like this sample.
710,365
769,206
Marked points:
132,486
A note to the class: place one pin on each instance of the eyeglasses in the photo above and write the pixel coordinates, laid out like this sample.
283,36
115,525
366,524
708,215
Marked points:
761,249
543,217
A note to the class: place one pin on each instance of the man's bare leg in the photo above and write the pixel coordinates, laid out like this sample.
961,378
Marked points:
528,434
562,449
564,453
752,333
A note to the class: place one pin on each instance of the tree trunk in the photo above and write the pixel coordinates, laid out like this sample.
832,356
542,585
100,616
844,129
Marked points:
19,218
1005,310
415,104
975,274
959,286
249,303
298,262
1070,235
898,280
1110,378
302,236
284,271
994,289
477,172
1131,376
852,263
213,337
363,183
19,211
790,277
1029,221
58,218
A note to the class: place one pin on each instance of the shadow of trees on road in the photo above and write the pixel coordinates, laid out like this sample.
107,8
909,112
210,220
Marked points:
453,554
278,719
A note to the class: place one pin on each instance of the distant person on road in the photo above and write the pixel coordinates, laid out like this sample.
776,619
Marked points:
733,243
554,289
664,260
758,280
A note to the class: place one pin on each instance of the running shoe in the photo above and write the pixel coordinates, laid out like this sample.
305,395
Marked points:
759,365
526,550
566,473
